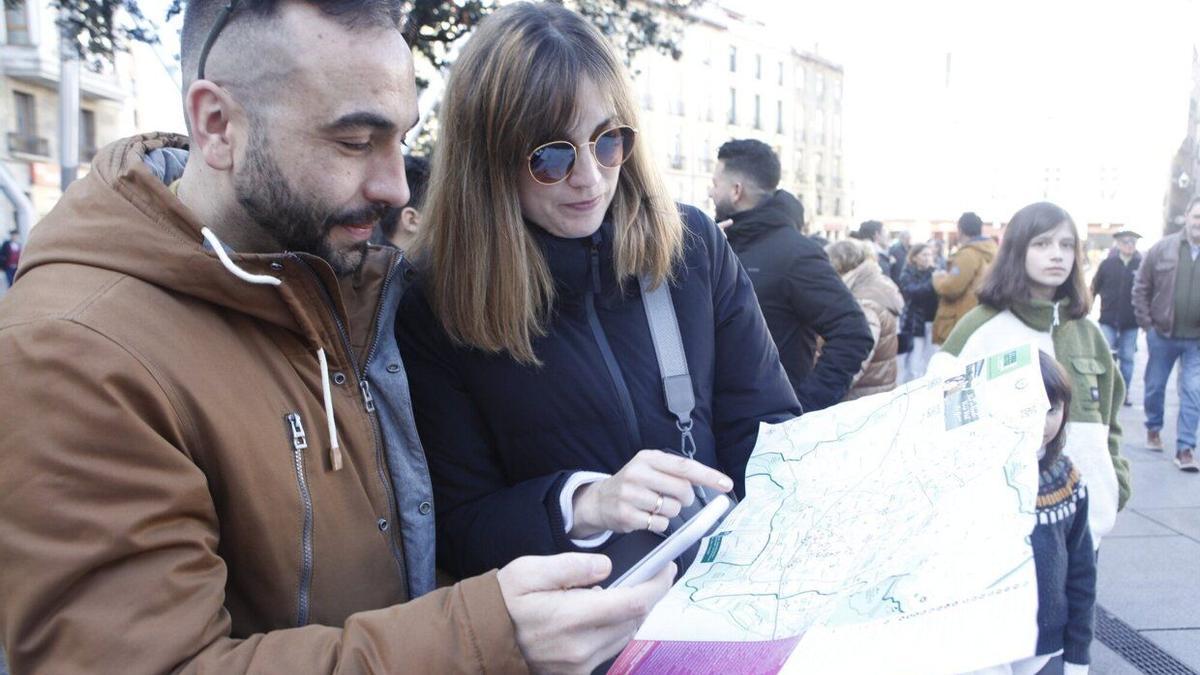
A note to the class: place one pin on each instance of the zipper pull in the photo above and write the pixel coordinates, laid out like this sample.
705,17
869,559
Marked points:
595,267
299,439
367,398
1056,303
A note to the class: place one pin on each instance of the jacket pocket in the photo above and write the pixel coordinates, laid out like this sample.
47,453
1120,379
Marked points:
298,442
1087,378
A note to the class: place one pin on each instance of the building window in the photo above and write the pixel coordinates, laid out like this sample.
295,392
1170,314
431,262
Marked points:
819,127
25,139
820,204
801,170
837,207
779,117
758,66
87,135
16,20
800,79
819,168
732,105
706,155
732,59
677,155
781,73
820,86
757,111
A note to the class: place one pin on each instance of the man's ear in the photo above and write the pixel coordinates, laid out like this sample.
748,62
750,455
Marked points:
410,220
211,111
737,191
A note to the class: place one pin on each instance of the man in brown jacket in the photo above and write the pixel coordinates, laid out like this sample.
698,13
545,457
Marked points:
1166,303
957,285
212,466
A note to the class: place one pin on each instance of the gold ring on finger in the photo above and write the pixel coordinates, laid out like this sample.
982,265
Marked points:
649,520
657,506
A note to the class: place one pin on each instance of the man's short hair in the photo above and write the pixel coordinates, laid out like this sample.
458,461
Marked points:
200,15
754,160
970,224
868,230
1195,201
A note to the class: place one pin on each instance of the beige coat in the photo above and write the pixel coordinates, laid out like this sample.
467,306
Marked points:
881,303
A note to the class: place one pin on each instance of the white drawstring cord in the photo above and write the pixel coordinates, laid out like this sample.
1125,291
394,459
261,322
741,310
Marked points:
335,451
232,267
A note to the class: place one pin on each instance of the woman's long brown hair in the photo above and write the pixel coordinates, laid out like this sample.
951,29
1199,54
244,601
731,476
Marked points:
512,89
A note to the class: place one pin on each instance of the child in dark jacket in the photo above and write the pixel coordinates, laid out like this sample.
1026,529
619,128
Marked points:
1062,549
1062,543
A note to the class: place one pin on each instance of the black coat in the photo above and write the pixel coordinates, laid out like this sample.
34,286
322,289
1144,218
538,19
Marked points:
801,297
1113,284
502,437
920,300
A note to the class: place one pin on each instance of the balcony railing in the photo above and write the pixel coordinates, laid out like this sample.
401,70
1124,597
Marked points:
29,145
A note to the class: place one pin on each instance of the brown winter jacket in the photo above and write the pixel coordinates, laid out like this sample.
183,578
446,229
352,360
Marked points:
958,287
1154,285
882,303
158,510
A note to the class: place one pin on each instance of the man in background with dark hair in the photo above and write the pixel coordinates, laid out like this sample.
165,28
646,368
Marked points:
218,469
800,294
958,284
872,232
1166,302
399,226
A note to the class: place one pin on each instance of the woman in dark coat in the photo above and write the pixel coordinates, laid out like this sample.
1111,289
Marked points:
535,381
920,306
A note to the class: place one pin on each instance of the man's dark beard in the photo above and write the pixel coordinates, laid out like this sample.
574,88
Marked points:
297,223
724,210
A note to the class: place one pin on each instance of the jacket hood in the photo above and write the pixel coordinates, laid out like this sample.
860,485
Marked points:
987,247
779,210
867,282
123,217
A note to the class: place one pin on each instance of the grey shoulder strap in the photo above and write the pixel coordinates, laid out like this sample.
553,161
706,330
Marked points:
672,361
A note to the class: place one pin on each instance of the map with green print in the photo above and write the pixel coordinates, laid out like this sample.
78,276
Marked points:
886,534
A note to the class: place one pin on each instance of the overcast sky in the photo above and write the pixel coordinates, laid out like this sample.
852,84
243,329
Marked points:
1097,89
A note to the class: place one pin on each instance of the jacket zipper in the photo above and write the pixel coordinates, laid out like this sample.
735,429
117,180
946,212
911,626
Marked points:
299,443
368,400
610,361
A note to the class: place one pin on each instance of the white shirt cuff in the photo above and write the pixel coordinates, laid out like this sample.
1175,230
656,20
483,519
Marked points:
566,505
1074,668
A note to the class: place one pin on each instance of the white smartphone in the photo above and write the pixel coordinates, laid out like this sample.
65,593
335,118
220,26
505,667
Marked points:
673,546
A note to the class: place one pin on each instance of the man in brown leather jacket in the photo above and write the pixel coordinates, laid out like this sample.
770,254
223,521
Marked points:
212,466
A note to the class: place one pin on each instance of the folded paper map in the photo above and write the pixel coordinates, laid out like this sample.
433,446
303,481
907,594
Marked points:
884,535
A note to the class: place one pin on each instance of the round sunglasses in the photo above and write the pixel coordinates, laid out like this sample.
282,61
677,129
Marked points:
552,163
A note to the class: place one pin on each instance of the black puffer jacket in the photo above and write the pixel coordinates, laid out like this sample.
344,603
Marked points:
502,438
801,297
1113,284
920,300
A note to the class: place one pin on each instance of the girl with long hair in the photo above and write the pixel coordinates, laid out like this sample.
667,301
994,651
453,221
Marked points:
537,391
1035,292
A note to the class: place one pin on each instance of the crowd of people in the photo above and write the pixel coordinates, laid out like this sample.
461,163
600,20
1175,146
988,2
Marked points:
322,406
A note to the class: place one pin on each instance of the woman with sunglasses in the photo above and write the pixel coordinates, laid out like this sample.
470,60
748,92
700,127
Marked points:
536,387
